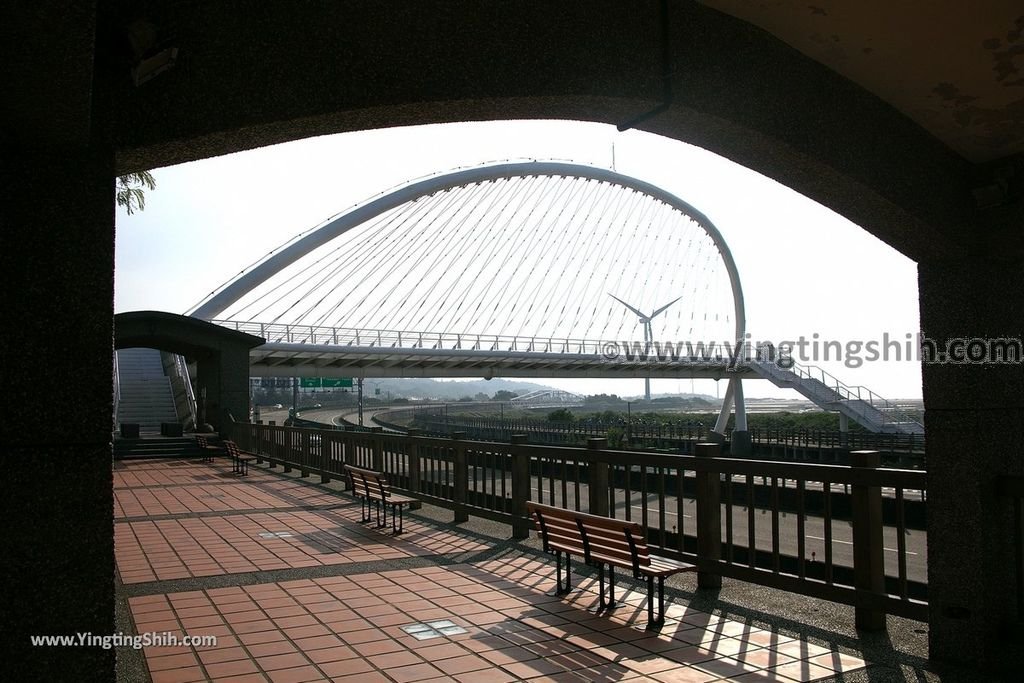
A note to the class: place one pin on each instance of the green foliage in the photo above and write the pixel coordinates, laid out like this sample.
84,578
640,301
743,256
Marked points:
130,193
561,415
603,398
616,435
504,395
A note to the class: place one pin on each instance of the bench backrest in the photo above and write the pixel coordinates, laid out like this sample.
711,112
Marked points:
598,539
368,482
232,448
201,441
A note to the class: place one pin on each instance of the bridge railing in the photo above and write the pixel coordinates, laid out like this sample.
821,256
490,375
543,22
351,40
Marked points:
404,339
900,450
791,526
891,412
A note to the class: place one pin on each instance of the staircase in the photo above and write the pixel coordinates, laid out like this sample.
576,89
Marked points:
860,404
156,447
144,395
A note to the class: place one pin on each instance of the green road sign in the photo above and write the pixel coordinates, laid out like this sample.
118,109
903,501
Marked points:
324,382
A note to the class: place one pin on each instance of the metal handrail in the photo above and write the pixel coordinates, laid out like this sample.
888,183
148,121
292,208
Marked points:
181,367
886,408
117,394
406,339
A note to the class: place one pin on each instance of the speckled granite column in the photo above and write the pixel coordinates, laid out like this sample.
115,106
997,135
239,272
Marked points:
57,265
234,386
975,434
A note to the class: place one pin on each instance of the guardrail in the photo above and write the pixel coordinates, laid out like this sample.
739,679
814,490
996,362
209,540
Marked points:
902,449
742,529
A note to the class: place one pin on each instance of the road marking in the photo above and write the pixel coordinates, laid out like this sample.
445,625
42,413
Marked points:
836,540
667,512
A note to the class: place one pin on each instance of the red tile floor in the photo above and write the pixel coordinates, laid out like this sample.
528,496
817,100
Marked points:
348,627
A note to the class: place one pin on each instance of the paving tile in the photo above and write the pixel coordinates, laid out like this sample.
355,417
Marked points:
801,671
173,661
225,654
533,668
276,647
245,678
801,649
183,675
301,674
684,675
347,627
462,664
232,668
416,672
839,662
282,661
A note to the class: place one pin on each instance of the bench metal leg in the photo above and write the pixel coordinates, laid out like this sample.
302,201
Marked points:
560,588
653,623
610,602
395,531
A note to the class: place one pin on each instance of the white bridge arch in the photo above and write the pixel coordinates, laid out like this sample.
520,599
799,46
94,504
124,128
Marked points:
315,351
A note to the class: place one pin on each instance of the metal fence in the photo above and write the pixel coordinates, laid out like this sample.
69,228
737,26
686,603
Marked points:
840,533
900,450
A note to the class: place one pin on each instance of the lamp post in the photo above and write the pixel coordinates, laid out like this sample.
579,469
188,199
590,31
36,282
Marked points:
360,385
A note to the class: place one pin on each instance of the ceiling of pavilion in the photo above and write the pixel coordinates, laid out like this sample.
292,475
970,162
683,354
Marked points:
956,68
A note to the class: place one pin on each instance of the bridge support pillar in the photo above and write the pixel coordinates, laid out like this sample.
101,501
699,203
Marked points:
741,443
975,425
58,259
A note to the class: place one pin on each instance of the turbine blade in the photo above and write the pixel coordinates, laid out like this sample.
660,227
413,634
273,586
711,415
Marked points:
660,310
627,305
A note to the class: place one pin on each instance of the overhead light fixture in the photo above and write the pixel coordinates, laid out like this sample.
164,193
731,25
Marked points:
151,67
152,56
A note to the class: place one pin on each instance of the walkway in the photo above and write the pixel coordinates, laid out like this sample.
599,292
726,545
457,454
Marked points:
296,589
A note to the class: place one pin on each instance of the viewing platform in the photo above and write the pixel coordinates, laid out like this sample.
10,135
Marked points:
296,588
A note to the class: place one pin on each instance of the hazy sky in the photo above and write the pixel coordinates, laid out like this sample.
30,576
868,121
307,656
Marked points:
805,270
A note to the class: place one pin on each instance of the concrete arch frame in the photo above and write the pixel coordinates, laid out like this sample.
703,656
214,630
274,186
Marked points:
221,356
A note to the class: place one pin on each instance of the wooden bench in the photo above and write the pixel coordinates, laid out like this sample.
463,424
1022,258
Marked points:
603,541
209,450
239,459
372,489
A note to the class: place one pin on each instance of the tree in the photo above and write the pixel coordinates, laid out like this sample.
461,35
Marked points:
130,193
504,395
561,415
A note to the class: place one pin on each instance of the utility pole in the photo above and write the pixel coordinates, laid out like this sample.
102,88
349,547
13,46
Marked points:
295,396
629,424
360,385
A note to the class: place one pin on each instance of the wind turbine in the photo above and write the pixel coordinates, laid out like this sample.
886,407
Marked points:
645,320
